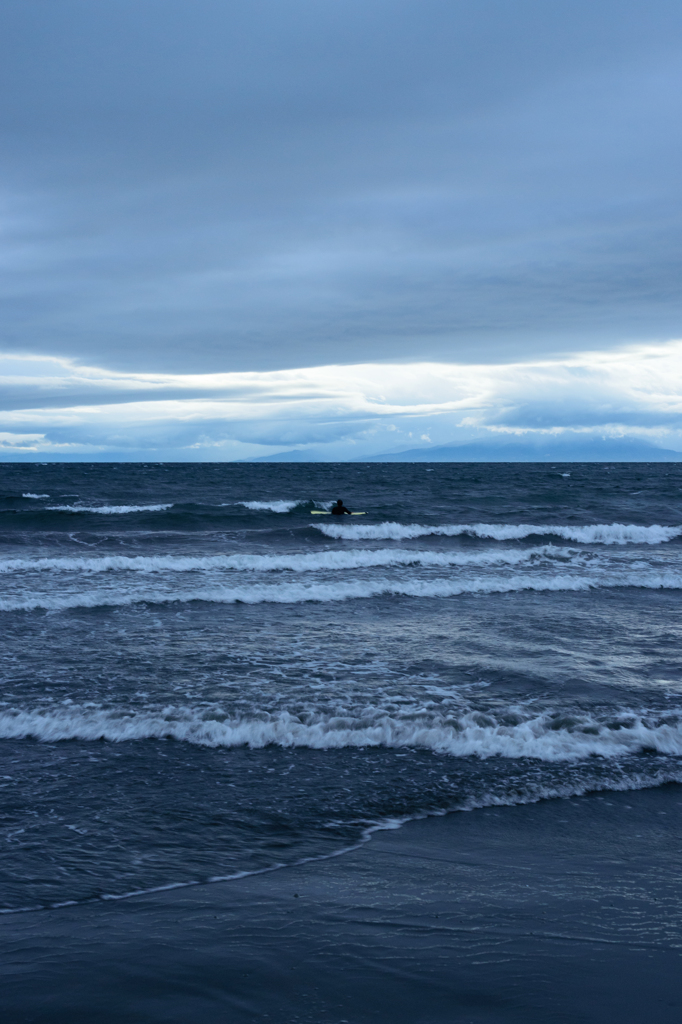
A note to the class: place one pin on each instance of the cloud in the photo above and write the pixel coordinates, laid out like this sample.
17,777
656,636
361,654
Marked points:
345,411
218,187
228,229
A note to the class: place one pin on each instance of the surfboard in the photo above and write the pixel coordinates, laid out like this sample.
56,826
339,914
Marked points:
317,512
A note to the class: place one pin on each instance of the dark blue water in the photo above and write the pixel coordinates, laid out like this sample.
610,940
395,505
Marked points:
201,678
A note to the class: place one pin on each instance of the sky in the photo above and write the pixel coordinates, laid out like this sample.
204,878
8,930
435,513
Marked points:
233,227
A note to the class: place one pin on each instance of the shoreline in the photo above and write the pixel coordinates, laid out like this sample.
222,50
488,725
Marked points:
389,825
564,910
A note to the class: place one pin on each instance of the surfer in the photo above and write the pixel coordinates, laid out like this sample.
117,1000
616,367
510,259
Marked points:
340,509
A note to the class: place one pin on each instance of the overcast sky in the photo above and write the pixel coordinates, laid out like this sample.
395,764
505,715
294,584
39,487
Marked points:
233,226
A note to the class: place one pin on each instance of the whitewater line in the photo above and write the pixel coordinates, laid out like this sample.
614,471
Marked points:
296,593
599,533
107,510
304,562
535,737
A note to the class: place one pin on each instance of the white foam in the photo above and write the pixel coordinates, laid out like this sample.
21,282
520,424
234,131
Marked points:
300,592
108,510
309,562
471,734
600,533
271,506
36,496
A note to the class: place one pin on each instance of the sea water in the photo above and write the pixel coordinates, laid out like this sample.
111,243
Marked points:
201,679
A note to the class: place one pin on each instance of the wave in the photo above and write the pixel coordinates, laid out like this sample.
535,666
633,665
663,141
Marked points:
546,737
632,781
108,510
36,496
322,560
271,506
600,533
298,593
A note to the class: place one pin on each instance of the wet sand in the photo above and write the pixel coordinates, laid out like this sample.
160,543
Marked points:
563,911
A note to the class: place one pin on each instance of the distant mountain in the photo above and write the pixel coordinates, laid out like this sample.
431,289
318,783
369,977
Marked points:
319,455
593,449
297,455
553,449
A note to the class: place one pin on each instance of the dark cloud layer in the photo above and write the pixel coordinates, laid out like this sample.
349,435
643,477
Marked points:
219,186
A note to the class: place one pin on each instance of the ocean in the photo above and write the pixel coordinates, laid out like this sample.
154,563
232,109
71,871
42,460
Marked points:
202,680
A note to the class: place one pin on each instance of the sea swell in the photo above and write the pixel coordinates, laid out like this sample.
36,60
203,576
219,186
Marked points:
303,562
297,593
600,533
271,506
550,736
108,510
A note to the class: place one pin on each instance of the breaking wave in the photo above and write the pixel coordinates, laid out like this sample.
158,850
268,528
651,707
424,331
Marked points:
600,533
297,593
271,506
548,737
108,510
322,560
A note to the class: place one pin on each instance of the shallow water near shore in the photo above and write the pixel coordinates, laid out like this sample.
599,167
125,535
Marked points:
563,911
201,679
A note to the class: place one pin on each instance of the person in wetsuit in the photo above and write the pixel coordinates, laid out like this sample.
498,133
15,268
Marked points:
340,509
